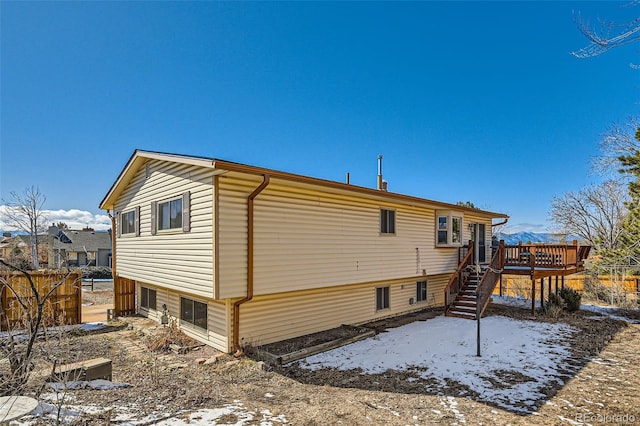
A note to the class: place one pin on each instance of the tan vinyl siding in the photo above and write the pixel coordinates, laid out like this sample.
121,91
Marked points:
305,238
272,318
216,334
174,260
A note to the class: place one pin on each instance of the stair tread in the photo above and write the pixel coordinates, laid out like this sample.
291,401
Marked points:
465,303
463,309
461,315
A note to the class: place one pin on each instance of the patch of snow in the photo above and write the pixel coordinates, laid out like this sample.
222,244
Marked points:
92,326
269,395
128,416
518,302
608,311
445,348
98,384
451,403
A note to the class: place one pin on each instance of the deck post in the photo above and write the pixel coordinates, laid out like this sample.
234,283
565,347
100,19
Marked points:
549,292
556,285
533,296
563,282
478,323
500,285
541,293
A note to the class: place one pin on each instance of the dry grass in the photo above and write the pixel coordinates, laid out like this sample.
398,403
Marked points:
162,340
605,353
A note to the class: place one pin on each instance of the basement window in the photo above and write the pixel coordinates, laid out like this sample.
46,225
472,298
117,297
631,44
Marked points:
382,298
148,298
421,291
193,312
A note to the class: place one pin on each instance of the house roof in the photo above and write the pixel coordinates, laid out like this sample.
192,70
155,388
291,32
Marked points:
139,157
80,241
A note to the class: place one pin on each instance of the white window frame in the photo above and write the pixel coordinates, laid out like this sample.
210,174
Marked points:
449,229
133,231
171,226
184,217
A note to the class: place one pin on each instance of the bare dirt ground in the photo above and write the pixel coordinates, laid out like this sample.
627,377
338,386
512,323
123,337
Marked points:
603,391
95,303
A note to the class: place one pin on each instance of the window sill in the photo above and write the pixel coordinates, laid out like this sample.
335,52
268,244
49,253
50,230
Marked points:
448,245
192,327
172,231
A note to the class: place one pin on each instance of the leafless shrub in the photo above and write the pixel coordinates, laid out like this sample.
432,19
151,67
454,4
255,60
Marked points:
171,335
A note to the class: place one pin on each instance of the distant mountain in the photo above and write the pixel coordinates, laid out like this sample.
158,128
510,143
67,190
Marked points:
535,237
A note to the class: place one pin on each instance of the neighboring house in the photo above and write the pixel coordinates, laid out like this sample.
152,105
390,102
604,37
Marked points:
14,248
240,255
73,248
5,245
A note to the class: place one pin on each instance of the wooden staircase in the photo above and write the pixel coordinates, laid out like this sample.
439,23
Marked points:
470,287
465,305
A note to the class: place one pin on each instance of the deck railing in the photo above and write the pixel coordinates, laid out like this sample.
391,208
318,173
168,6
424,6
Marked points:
457,279
553,256
490,278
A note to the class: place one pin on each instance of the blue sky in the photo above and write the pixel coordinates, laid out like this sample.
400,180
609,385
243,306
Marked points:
477,101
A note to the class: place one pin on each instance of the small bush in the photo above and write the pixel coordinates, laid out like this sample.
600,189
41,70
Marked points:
595,290
162,340
96,272
571,298
554,306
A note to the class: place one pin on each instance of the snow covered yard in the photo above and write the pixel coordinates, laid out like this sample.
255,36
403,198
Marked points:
425,373
519,359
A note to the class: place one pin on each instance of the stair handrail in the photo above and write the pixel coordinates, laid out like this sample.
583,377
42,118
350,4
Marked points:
490,278
455,282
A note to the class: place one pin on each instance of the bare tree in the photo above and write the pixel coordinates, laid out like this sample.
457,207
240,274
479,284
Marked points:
595,213
30,301
25,213
33,305
618,141
607,35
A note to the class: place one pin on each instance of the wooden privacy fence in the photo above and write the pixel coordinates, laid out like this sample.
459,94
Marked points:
64,306
521,285
124,296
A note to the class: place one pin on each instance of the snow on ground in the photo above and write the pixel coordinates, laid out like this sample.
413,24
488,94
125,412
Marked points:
521,302
519,358
609,311
97,384
87,326
229,414
518,302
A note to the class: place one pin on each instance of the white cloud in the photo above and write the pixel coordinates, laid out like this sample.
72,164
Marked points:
74,218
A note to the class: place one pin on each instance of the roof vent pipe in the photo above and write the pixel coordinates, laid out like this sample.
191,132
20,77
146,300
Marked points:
380,173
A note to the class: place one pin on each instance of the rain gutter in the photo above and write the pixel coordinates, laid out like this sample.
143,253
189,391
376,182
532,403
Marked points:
249,296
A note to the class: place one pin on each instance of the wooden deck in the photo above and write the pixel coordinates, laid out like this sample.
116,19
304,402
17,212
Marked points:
538,261
543,260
